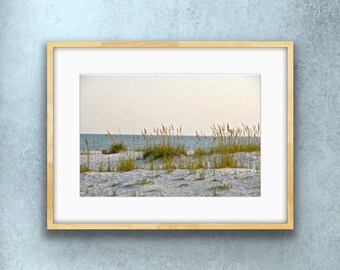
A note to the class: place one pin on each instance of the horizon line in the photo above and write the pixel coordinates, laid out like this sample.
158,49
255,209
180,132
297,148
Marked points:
133,134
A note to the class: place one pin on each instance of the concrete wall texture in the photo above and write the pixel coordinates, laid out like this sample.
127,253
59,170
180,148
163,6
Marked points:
26,26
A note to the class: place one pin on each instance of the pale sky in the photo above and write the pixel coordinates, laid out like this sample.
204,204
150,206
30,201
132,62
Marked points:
128,103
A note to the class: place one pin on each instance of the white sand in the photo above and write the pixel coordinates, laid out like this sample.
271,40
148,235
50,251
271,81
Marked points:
245,182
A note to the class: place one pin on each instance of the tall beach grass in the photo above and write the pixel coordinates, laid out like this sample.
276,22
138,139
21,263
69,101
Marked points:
169,143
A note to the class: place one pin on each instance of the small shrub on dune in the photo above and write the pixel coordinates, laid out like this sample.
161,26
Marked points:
163,151
101,167
126,164
169,165
200,152
151,165
192,165
181,165
110,167
225,161
144,182
214,188
201,174
84,168
115,148
257,167
224,187
201,164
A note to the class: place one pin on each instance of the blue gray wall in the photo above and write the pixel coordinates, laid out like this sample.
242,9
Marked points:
26,26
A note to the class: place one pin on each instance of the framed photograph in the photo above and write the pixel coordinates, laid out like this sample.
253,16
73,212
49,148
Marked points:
170,135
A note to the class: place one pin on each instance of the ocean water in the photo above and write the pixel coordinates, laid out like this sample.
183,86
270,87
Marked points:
133,142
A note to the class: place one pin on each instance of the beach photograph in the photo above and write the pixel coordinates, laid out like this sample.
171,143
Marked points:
170,135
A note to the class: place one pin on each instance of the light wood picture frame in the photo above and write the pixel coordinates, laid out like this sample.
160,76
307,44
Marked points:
55,117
